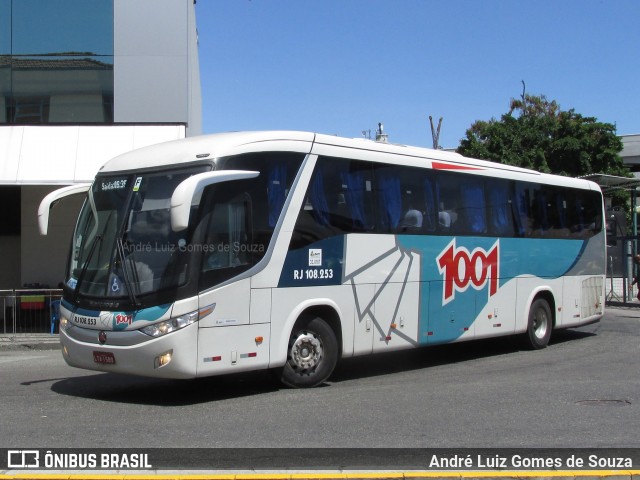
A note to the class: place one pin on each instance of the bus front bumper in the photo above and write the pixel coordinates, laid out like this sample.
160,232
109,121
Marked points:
132,352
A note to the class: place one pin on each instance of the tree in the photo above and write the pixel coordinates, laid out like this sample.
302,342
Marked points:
537,134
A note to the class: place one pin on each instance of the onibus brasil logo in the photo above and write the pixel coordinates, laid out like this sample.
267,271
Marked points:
462,269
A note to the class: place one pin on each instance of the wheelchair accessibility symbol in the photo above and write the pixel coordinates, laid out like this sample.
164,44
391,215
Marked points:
115,285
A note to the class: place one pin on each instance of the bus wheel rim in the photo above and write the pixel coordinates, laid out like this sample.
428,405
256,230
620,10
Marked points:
306,352
540,323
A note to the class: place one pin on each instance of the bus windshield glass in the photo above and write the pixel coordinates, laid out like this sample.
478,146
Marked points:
123,245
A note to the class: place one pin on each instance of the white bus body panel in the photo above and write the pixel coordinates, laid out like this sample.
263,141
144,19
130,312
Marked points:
232,305
233,349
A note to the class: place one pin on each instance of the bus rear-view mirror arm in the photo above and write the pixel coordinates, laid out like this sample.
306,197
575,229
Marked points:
184,193
50,200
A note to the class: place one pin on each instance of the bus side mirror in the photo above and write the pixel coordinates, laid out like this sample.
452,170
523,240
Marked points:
186,191
50,200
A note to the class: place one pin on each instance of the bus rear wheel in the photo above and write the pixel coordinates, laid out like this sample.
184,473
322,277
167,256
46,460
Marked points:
540,324
312,354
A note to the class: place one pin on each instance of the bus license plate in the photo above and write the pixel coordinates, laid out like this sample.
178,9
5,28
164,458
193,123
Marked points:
105,358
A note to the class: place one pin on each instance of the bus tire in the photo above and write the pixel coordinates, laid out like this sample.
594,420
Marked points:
540,325
312,354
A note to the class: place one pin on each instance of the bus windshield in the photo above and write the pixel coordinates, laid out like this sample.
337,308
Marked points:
125,251
123,245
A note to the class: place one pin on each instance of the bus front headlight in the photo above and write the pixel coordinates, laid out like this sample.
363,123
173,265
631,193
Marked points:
162,328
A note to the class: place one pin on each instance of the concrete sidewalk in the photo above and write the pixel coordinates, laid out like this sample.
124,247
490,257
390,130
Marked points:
33,341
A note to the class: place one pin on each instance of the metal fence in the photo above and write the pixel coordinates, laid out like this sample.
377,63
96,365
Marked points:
621,271
29,311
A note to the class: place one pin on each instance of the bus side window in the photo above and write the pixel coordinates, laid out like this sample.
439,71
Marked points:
389,200
472,211
447,201
338,201
521,210
589,212
419,213
499,208
559,213
430,218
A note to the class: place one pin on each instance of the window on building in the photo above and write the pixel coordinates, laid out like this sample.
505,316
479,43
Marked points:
56,61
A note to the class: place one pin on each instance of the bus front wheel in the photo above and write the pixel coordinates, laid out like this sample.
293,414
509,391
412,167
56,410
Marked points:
312,354
540,324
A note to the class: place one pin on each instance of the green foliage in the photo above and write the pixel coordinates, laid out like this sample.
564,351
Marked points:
537,134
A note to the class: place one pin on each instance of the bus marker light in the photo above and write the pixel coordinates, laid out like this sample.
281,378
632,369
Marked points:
490,316
394,325
388,338
203,312
249,355
430,334
212,359
259,340
497,325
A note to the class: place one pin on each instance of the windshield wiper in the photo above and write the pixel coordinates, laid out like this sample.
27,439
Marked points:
85,267
125,272
96,240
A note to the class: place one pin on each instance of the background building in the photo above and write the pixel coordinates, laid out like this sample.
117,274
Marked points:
631,153
82,81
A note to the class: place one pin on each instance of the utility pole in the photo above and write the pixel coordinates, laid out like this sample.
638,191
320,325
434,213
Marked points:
435,135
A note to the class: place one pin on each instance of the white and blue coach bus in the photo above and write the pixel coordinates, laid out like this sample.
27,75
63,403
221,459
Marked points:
291,250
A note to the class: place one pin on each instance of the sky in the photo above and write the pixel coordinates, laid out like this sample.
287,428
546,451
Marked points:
340,67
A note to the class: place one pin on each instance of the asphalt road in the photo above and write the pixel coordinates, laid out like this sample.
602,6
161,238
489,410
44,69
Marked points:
581,391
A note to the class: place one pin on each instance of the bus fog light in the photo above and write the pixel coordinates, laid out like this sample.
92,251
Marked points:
65,323
162,360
